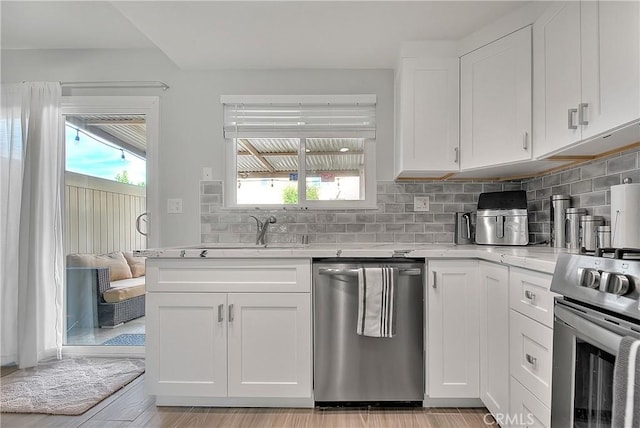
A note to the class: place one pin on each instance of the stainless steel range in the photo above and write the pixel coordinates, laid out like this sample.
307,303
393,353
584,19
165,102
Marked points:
600,305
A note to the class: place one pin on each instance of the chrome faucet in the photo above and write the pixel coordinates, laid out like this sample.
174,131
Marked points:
261,228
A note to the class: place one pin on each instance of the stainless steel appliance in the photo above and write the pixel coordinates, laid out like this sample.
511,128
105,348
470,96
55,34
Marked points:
464,228
559,205
603,237
502,218
588,231
573,216
598,308
357,369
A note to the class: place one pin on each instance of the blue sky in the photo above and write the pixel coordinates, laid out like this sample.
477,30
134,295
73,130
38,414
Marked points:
91,157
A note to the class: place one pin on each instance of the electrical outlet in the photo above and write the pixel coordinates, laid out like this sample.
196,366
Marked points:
207,173
174,206
421,203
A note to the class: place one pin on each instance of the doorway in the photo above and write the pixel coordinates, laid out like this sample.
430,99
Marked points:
109,195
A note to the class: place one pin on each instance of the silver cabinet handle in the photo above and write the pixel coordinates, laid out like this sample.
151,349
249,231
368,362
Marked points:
525,141
220,316
582,114
231,312
530,295
435,275
456,153
572,112
531,360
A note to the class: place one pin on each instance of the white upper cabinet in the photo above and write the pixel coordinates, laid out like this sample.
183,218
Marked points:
586,74
426,117
495,102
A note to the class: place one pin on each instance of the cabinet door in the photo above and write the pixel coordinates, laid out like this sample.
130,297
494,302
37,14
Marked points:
186,349
495,102
526,409
494,337
452,329
269,345
610,64
530,355
529,294
427,116
556,78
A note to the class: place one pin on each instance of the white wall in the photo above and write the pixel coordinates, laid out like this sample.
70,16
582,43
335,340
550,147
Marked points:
191,114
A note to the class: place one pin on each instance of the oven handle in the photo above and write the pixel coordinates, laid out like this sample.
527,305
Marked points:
600,336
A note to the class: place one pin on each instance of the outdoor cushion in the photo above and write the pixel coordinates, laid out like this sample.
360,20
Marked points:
117,264
124,289
135,263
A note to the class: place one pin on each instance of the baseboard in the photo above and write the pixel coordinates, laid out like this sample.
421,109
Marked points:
162,400
452,402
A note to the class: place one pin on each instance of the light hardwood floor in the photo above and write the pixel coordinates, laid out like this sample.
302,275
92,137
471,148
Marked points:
131,407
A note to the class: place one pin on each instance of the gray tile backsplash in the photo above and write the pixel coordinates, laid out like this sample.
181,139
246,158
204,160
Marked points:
395,220
588,185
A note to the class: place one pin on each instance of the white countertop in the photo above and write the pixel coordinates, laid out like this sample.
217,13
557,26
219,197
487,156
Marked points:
540,258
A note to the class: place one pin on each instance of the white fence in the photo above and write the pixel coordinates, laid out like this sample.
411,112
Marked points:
100,215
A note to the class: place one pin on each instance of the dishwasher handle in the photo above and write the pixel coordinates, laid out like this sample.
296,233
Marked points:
354,272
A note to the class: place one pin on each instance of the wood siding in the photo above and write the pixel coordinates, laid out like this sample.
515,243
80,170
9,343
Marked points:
100,215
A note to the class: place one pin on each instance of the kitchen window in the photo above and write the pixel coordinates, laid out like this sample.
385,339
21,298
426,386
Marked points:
300,151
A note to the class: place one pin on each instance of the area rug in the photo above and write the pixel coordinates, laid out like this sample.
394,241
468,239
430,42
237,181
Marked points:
66,387
126,339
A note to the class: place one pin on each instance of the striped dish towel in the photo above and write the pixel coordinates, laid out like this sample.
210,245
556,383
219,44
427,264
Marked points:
376,301
626,385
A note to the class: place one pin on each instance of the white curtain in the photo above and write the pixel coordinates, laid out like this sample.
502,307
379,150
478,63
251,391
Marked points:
31,247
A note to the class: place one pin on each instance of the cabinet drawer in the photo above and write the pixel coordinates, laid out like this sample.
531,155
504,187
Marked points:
526,409
530,355
529,294
229,275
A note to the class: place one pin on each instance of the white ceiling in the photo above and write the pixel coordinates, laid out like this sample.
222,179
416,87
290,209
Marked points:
201,35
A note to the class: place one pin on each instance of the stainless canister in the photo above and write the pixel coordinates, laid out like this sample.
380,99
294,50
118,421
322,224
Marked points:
559,205
603,237
572,224
588,229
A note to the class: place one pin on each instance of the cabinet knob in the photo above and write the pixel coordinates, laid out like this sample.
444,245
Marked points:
456,154
531,360
220,312
231,312
525,141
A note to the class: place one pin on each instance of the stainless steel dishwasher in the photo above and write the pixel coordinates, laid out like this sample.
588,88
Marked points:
357,369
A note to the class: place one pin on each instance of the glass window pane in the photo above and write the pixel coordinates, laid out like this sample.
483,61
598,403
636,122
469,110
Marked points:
87,154
267,171
335,169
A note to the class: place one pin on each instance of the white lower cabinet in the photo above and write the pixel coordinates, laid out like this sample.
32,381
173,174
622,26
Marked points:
269,345
531,355
526,409
494,337
233,347
186,344
530,347
452,332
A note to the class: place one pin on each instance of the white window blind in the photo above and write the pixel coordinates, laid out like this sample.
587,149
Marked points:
303,116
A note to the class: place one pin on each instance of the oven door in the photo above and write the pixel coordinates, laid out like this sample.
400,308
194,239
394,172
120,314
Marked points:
585,344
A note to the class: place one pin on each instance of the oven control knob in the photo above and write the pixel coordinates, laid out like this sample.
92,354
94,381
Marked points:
589,278
615,283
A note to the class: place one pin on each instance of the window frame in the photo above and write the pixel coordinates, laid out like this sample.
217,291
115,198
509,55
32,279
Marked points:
369,201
